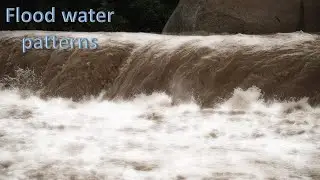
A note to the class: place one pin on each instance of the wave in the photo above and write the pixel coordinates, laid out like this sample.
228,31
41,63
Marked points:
204,68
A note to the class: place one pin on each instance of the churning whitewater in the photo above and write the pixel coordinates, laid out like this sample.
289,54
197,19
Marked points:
149,138
161,107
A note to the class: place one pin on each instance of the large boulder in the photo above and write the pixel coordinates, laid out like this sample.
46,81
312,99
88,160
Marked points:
244,16
311,15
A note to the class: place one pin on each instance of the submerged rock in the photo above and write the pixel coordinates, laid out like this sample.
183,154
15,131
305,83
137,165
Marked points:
205,69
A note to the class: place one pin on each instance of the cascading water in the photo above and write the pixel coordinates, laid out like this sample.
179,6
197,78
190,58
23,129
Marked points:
148,106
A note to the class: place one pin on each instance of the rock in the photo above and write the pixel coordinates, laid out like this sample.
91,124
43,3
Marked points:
244,16
311,15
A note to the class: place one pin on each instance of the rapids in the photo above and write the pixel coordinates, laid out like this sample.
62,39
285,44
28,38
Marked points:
161,107
149,138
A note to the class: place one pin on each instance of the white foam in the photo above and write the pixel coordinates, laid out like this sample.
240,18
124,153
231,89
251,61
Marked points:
171,42
148,138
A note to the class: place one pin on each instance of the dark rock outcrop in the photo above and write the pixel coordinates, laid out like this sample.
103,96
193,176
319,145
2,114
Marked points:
312,15
244,16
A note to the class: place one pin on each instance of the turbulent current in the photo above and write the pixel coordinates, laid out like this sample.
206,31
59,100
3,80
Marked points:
160,107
